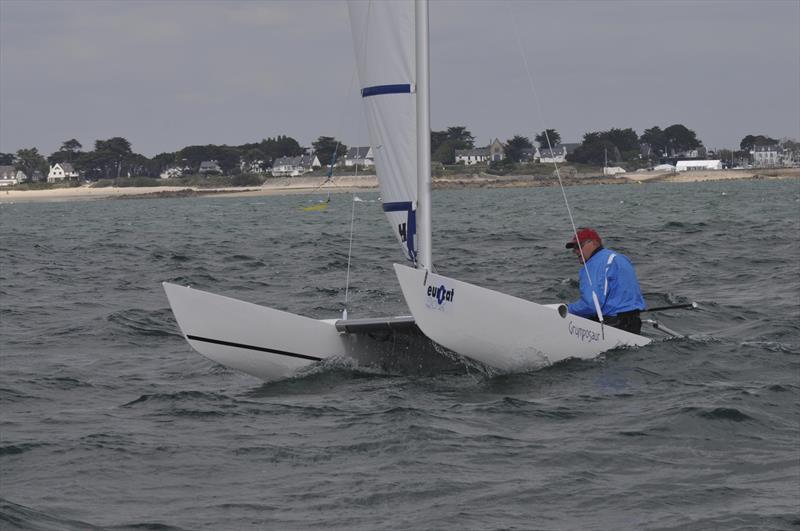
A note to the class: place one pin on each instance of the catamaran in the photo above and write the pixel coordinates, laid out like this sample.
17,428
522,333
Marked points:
500,331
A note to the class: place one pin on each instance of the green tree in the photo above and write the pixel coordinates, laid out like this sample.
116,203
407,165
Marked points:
71,146
69,151
750,141
792,146
445,143
328,150
655,138
437,139
625,140
159,163
680,138
6,159
515,147
194,155
282,146
596,149
228,158
462,136
112,155
29,161
446,152
542,138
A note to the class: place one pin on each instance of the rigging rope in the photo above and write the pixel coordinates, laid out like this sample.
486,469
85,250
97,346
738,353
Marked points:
329,176
355,199
349,256
555,164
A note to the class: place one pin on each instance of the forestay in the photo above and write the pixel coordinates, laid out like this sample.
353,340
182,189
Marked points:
383,36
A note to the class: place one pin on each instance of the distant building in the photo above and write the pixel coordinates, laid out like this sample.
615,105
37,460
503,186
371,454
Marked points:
689,165
665,167
359,156
253,166
558,154
469,157
209,167
61,171
9,176
613,170
294,166
689,153
171,172
493,152
528,155
496,151
769,157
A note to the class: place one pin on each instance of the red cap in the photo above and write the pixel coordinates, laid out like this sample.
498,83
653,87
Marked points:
585,234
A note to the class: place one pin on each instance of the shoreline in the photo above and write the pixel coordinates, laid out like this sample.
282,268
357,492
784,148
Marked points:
367,183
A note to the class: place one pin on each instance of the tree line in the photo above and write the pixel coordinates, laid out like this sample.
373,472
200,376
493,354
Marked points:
114,157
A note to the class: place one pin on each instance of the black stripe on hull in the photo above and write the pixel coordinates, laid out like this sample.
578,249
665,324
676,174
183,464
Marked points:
251,347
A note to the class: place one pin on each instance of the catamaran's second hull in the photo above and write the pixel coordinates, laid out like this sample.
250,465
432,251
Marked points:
232,333
272,344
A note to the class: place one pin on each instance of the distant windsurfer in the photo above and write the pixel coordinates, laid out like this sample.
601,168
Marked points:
613,290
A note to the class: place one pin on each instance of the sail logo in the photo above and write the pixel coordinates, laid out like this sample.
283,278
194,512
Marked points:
401,229
437,297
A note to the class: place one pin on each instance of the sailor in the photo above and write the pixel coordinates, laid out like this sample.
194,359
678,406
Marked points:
613,286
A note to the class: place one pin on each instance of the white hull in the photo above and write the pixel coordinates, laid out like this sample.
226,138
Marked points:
266,343
501,331
271,344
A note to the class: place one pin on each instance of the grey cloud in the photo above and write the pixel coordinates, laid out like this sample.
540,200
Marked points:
170,74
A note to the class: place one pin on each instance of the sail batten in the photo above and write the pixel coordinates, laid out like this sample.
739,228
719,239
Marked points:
377,90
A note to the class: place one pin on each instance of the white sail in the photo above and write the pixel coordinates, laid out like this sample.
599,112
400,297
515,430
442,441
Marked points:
383,36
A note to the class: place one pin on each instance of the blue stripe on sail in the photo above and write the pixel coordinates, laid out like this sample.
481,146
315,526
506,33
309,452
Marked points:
411,224
385,89
399,206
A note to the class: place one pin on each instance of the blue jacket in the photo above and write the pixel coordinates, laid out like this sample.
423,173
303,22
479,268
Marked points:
615,283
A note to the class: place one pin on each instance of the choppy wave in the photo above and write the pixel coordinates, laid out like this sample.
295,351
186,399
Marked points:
110,421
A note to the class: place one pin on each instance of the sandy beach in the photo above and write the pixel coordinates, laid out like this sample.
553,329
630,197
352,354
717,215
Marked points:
301,185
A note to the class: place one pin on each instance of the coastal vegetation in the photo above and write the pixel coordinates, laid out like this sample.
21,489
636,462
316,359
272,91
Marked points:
113,162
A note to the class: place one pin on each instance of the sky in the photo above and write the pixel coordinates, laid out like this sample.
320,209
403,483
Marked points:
168,74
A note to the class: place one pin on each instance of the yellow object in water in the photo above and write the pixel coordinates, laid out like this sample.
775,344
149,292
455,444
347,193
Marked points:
314,208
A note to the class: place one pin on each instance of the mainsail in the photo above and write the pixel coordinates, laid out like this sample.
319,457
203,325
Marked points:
383,36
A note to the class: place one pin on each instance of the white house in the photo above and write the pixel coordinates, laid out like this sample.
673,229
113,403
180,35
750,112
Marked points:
613,170
209,166
294,166
60,171
689,165
469,157
493,152
665,167
558,154
171,172
253,166
768,156
359,156
9,176
689,153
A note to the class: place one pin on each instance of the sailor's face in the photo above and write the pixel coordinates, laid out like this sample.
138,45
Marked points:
585,250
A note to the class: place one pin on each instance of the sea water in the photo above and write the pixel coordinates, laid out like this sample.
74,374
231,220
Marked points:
108,419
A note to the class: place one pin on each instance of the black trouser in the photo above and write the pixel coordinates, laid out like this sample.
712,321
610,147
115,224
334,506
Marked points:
628,321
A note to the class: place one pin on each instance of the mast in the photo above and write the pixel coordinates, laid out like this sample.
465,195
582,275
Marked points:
423,137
